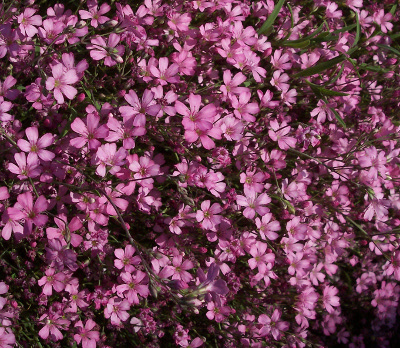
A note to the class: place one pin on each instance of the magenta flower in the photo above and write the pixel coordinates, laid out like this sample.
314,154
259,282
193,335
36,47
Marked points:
116,309
272,325
61,81
134,284
125,259
112,53
135,114
95,14
329,298
208,215
107,157
5,106
254,204
28,22
36,145
52,280
260,257
164,73
7,338
26,167
25,209
86,334
89,133
53,323
278,133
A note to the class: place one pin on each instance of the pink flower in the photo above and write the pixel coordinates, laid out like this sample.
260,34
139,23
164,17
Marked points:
61,81
243,109
52,280
135,114
208,215
134,284
5,106
332,11
254,204
7,338
383,20
267,227
164,73
112,53
36,145
109,158
272,325
86,334
260,257
195,117
125,259
26,167
90,133
231,85
329,299
53,323
94,13
278,133
178,270
28,22
116,309
25,209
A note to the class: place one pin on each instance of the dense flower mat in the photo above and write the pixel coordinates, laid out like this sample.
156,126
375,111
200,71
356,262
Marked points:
199,173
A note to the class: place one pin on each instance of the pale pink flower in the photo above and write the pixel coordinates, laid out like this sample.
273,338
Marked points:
53,323
134,284
383,20
95,14
254,203
109,50
116,309
125,259
25,209
86,334
26,167
278,133
61,81
208,215
7,338
108,158
165,74
52,280
89,133
36,145
329,299
28,22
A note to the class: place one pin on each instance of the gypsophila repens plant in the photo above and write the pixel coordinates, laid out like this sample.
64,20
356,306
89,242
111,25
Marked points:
211,173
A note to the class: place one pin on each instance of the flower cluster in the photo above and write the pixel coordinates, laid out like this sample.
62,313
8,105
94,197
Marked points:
183,173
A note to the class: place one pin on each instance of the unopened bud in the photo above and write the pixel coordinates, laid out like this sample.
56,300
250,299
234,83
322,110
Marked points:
80,25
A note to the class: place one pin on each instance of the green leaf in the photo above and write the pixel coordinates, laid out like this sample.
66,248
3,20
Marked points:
271,19
302,44
316,69
345,29
309,37
339,118
393,9
323,91
358,30
391,49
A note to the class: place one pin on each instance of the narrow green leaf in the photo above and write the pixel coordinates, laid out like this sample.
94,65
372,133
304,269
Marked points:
389,48
324,38
358,30
339,118
323,91
316,69
271,19
302,44
345,29
309,37
395,36
393,9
